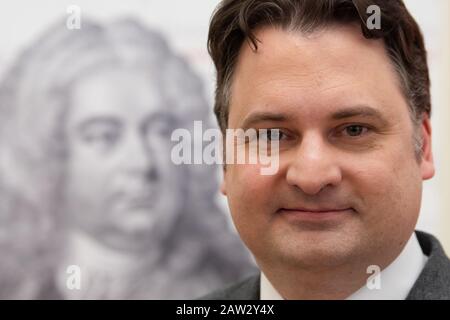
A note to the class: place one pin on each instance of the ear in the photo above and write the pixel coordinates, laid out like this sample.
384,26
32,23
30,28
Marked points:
427,163
223,185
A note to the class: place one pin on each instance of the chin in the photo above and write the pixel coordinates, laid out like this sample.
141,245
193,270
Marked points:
322,258
315,252
129,245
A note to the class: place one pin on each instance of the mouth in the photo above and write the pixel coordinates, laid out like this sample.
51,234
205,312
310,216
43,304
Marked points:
141,200
315,214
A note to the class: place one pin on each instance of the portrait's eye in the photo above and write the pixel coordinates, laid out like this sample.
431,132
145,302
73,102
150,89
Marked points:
162,128
100,134
159,125
103,136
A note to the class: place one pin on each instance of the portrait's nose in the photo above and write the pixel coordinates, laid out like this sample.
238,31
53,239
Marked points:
138,158
313,167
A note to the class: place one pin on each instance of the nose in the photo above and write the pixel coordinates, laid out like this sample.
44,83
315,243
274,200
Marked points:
313,166
139,158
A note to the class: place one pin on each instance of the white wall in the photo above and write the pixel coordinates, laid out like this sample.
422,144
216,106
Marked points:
434,19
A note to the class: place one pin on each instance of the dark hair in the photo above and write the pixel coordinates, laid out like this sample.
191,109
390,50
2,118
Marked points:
234,21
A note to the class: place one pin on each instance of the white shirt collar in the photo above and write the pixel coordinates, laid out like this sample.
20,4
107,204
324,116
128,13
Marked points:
396,280
267,291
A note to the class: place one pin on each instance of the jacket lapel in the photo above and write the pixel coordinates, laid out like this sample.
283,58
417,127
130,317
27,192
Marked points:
434,280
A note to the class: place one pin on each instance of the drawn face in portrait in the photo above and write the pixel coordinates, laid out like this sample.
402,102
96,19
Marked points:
121,187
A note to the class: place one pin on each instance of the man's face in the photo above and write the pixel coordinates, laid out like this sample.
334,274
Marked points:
346,147
121,187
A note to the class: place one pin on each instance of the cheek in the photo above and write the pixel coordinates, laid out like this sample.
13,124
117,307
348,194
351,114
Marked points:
249,193
88,178
389,188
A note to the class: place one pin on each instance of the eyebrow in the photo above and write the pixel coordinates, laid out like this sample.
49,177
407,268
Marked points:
103,120
264,116
359,111
348,112
160,116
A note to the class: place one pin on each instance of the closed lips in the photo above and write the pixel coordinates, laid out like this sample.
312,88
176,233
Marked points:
319,210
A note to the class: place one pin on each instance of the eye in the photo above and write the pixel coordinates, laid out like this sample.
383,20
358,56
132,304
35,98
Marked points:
355,130
101,137
160,125
161,128
100,133
271,134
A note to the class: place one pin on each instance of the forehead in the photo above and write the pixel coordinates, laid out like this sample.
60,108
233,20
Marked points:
117,92
314,74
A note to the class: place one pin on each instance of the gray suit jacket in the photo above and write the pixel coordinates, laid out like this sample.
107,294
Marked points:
433,283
